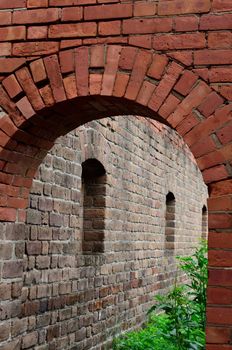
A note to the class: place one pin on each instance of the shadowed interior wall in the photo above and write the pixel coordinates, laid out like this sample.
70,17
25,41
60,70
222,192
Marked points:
143,161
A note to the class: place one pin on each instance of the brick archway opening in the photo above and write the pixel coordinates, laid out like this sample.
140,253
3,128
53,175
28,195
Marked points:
51,96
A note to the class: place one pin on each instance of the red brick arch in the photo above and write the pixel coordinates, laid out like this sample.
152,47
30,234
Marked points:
49,96
52,95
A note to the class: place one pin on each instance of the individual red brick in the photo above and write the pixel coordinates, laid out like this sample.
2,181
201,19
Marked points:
127,58
225,134
37,3
221,188
5,18
82,70
147,25
169,106
38,71
8,126
97,56
120,85
29,340
166,84
105,40
106,1
4,139
144,41
17,203
25,107
70,86
180,41
220,40
108,11
140,67
4,4
158,66
5,49
95,81
214,158
203,146
226,91
8,65
109,28
220,221
11,269
214,22
70,2
70,14
35,16
144,8
112,60
6,178
219,315
53,71
223,203
145,92
218,335
220,277
219,258
66,61
70,43
188,123
35,48
185,57
47,96
220,74
72,30
178,7
216,173
221,5
186,83
186,24
25,80
37,32
12,86
205,57
12,33
210,104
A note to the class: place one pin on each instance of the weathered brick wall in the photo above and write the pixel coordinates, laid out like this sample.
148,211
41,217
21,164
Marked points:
111,290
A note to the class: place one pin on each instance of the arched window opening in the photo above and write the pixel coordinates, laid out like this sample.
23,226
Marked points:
204,223
93,197
170,224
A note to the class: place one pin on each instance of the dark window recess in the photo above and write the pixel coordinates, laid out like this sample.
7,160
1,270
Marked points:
204,223
93,194
170,224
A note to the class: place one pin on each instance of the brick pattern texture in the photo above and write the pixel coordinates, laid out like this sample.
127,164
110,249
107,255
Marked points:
79,299
66,62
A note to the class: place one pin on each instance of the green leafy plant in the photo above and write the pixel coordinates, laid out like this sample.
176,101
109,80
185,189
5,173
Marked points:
149,338
177,319
196,268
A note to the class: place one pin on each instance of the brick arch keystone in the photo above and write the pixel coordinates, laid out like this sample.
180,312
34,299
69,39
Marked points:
49,96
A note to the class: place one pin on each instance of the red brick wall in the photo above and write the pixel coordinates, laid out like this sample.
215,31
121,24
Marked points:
116,287
112,59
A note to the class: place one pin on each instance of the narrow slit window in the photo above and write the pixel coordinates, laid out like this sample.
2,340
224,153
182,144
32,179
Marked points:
204,223
93,197
170,224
